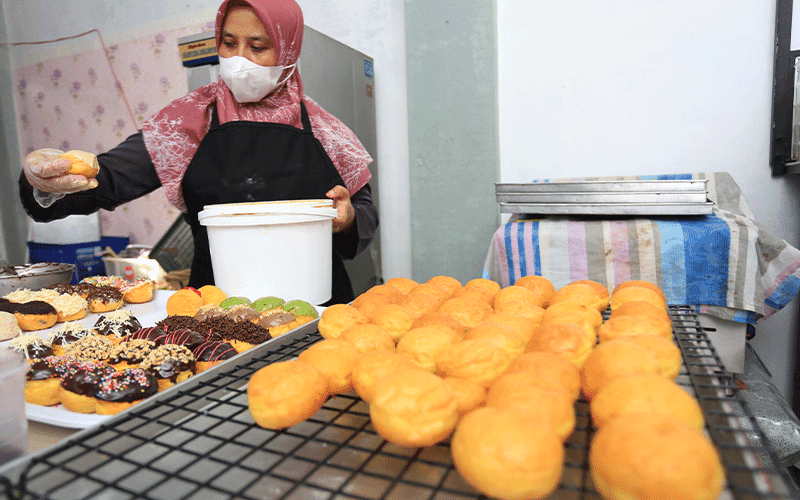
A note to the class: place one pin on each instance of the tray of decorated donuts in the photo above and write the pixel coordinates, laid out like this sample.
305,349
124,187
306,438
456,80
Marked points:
104,344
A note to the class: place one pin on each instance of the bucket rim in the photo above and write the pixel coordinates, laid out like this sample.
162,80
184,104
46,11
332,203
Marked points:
266,218
252,207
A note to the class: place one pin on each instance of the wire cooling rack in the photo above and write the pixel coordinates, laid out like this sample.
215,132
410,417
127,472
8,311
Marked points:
198,441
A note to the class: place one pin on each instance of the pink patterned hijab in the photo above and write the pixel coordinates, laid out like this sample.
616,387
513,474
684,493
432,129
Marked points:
173,134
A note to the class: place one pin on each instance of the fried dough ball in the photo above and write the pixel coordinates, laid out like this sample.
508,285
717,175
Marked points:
521,308
402,284
474,293
505,453
334,359
369,303
565,339
523,325
388,290
419,304
437,291
423,345
640,284
601,290
468,312
549,364
649,393
487,285
639,294
372,365
334,320
413,408
437,318
515,293
395,319
640,308
447,282
469,395
509,339
666,354
550,402
641,456
285,393
478,360
626,326
579,293
539,285
593,316
586,323
368,337
612,360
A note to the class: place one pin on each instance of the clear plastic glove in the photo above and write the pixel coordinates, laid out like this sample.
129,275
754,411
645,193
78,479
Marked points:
46,171
341,202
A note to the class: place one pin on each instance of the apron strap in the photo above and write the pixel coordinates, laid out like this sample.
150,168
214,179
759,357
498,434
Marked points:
304,118
214,116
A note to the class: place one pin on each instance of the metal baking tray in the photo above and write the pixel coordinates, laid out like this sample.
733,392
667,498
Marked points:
621,208
603,197
618,186
198,441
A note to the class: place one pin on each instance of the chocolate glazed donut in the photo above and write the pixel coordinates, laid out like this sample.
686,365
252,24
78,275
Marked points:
121,389
35,315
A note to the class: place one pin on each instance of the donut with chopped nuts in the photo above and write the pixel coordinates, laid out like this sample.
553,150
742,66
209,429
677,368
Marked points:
130,354
170,363
66,335
90,348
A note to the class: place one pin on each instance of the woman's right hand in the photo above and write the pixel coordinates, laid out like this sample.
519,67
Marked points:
47,171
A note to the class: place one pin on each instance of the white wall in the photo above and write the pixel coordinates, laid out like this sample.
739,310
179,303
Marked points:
374,27
617,87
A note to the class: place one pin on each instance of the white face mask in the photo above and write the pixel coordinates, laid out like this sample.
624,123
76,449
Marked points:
248,81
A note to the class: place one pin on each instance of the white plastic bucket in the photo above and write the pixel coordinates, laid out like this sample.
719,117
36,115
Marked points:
272,248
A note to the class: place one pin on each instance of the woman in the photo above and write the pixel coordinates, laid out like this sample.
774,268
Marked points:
251,136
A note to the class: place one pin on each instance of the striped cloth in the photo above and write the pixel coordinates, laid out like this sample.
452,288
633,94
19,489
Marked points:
724,264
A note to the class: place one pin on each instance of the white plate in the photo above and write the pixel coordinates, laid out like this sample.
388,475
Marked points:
61,417
148,314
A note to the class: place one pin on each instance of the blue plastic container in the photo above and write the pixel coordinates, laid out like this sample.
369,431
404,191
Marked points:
87,257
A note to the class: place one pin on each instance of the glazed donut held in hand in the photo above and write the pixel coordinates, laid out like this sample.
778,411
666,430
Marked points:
50,171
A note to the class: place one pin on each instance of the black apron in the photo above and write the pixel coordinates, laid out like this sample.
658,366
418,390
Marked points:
244,161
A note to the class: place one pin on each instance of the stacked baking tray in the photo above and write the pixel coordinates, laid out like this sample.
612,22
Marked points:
604,197
198,441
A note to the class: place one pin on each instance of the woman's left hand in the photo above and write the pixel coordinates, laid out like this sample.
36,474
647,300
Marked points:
341,202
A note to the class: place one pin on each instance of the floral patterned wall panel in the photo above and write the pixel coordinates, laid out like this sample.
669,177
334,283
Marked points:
75,102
